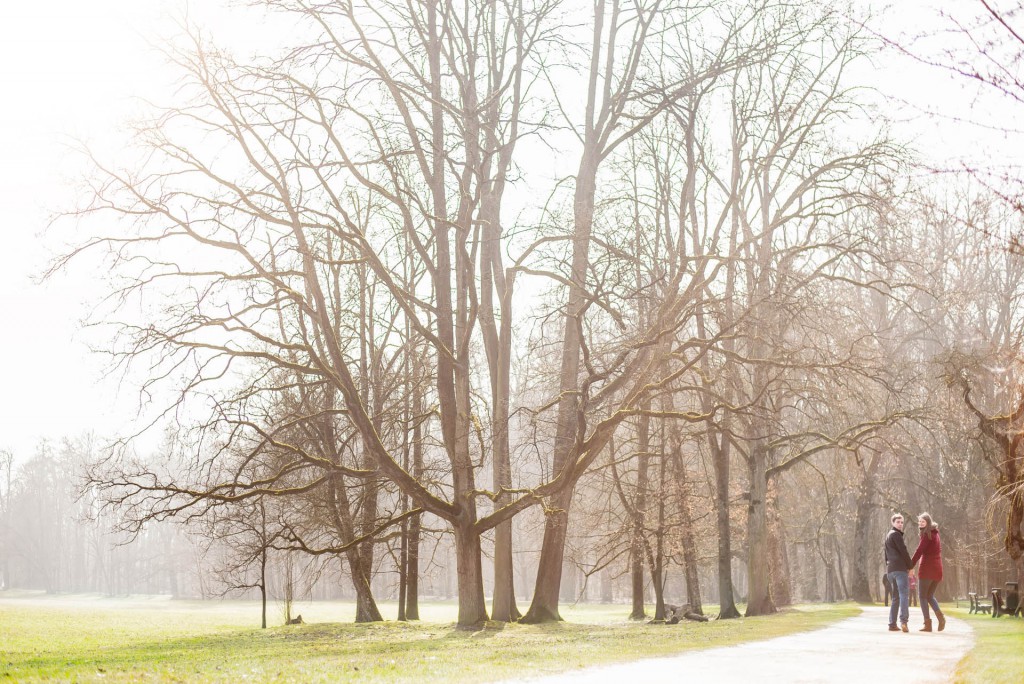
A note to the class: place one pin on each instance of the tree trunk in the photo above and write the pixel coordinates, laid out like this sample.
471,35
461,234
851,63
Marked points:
689,545
365,550
686,537
760,599
544,607
263,586
839,567
497,339
658,567
864,552
412,588
720,459
366,606
636,574
721,451
830,577
472,608
453,320
781,581
504,607
825,551
658,583
403,566
639,540
412,579
289,587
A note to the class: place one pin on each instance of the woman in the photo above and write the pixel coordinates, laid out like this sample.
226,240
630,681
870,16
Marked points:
929,552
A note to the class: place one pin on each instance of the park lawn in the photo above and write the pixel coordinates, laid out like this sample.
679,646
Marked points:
998,653
162,640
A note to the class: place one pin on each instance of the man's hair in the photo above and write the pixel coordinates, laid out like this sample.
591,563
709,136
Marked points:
892,520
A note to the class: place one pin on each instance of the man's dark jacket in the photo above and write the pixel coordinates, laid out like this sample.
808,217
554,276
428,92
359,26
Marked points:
896,556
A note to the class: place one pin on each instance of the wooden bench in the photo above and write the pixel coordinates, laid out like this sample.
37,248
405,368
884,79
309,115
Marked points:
976,605
997,603
1014,606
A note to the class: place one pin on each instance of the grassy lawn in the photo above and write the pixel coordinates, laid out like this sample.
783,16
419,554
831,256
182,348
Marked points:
998,653
99,639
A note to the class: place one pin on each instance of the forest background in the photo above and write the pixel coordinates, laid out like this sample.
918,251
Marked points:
661,304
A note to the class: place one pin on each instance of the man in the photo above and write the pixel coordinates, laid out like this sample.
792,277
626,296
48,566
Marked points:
897,565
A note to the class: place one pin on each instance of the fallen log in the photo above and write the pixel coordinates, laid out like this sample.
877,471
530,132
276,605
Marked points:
673,614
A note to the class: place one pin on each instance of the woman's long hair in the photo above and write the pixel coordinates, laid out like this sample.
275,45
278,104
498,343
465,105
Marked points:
930,526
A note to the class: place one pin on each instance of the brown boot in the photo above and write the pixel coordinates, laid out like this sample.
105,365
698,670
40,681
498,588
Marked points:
942,620
927,626
903,626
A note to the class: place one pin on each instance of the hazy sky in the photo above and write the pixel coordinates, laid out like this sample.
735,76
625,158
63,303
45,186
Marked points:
70,69
64,69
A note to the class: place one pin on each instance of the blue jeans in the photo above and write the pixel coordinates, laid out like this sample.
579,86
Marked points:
900,581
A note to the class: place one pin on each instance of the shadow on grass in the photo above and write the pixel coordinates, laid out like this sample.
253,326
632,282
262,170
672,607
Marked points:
393,651
236,648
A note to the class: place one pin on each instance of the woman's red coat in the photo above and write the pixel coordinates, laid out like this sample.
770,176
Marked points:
929,552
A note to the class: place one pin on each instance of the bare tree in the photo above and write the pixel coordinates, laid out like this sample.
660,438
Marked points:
387,134
250,535
788,180
6,473
981,44
622,98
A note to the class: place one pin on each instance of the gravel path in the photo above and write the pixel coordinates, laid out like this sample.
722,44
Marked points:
858,649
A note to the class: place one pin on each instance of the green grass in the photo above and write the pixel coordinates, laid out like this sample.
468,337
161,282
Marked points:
98,639
998,653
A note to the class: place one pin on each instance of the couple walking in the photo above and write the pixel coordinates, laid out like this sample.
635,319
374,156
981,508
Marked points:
899,565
